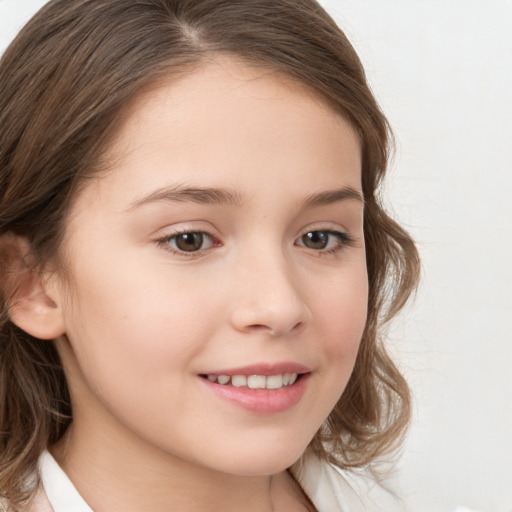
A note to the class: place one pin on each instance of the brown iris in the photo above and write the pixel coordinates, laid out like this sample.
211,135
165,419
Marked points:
189,242
316,239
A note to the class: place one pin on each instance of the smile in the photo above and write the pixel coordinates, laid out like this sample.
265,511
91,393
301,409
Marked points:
255,381
260,388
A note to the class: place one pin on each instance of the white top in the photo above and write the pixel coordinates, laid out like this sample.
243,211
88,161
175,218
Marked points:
324,485
60,492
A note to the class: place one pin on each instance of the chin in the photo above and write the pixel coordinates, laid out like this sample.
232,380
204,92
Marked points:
262,461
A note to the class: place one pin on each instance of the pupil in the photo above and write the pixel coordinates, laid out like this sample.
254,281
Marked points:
316,239
189,242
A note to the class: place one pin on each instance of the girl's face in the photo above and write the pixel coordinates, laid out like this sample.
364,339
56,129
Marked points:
218,284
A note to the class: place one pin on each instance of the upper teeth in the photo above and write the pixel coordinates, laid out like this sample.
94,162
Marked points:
255,381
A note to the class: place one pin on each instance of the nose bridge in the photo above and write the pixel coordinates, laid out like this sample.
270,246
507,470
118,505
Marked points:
269,295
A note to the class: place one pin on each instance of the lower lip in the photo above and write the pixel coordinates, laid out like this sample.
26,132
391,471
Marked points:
261,401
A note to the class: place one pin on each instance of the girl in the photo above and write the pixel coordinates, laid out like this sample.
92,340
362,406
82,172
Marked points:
196,267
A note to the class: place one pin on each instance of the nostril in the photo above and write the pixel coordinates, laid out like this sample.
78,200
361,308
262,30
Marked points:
271,316
298,326
275,330
259,327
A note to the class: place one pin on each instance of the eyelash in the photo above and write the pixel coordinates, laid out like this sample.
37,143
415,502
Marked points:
343,240
165,242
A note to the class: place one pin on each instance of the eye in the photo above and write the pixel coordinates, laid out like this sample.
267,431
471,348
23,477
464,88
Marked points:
188,242
324,240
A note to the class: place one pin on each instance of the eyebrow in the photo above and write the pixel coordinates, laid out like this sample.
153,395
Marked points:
200,195
332,196
227,197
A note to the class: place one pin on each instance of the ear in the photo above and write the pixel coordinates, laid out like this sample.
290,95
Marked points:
33,305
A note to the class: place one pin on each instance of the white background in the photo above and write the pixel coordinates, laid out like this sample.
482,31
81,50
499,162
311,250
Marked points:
442,70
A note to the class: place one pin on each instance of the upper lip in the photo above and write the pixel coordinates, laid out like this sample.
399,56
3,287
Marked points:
265,369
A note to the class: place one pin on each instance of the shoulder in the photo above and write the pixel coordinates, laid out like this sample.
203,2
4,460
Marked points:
41,502
326,487
333,489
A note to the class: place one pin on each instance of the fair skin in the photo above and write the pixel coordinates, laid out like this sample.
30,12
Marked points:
172,284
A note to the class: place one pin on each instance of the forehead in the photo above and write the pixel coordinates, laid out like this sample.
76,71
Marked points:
229,120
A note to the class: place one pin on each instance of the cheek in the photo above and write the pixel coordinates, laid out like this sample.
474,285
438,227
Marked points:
131,321
340,320
132,343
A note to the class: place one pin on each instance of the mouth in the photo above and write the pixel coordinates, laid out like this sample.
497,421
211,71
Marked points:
278,381
260,388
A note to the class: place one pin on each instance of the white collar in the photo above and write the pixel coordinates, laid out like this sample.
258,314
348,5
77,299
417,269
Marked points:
61,493
326,487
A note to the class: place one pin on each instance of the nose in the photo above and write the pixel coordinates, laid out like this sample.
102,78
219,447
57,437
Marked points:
268,298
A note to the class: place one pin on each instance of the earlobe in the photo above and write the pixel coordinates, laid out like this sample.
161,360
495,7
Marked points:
31,307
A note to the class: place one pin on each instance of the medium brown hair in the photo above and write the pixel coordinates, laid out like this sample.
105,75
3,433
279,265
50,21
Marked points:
65,80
